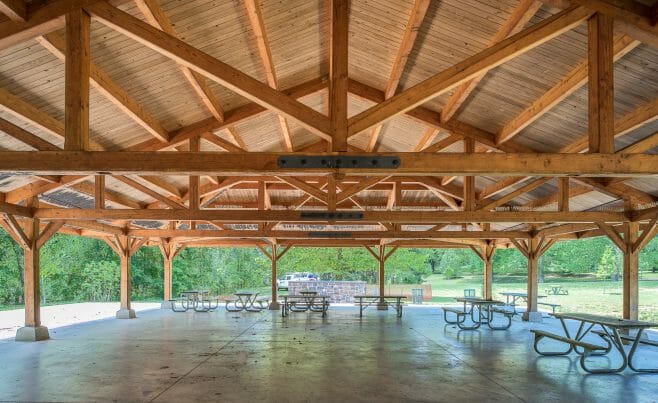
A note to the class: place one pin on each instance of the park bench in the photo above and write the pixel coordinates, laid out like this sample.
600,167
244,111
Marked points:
207,304
230,301
553,306
588,348
460,313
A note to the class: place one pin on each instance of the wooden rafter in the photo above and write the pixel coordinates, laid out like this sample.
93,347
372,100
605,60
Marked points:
488,205
600,85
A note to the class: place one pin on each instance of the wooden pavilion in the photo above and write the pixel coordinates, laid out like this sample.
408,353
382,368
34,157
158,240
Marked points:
380,124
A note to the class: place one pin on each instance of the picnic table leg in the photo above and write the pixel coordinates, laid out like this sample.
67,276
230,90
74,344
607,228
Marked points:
632,354
620,349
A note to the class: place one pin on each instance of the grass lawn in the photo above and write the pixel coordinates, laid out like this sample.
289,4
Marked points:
602,297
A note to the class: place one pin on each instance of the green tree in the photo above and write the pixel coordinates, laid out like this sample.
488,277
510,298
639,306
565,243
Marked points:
607,267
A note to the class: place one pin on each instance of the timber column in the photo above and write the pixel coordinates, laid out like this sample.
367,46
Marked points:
274,303
486,253
630,279
169,251
30,239
125,247
382,306
533,249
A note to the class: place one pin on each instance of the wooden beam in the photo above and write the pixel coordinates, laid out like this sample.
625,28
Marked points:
364,184
228,146
338,74
50,230
331,192
210,67
112,91
569,84
521,15
304,187
600,85
410,217
16,10
78,64
512,195
638,117
99,191
613,235
469,68
647,235
417,164
150,192
641,146
563,194
633,17
521,247
19,234
469,181
26,137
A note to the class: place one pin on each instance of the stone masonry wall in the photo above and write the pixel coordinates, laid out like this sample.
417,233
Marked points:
337,291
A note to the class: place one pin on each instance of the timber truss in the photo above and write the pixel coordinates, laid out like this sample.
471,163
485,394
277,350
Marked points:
429,200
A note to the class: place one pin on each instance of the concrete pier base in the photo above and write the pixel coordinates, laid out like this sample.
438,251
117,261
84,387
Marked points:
126,314
274,306
165,305
532,317
30,333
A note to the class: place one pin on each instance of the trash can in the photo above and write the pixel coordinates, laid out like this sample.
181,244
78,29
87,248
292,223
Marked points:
416,295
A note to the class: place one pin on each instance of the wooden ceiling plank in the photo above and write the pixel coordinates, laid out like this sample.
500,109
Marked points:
226,145
521,15
210,67
501,186
641,146
469,68
364,184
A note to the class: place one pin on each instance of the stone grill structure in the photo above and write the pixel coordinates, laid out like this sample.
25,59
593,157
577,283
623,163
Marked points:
337,291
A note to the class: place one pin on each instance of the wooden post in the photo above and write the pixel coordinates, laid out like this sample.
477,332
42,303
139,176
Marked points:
631,272
338,74
382,263
29,240
274,303
489,251
124,248
533,280
469,181
168,267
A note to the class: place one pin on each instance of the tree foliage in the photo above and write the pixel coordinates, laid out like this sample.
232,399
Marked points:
84,269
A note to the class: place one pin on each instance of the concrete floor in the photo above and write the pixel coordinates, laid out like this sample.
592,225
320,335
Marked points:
251,357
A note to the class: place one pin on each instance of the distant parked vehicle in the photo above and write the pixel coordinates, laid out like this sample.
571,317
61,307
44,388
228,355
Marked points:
282,283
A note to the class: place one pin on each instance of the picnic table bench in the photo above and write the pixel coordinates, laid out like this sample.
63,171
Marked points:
486,309
244,301
553,306
199,300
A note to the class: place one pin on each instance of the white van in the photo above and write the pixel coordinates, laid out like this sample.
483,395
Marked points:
282,283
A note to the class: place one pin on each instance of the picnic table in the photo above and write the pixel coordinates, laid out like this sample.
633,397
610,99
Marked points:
306,301
609,332
557,290
198,300
244,301
485,308
365,301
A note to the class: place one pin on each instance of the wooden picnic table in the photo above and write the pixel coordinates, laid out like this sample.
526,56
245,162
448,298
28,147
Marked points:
308,301
365,301
610,327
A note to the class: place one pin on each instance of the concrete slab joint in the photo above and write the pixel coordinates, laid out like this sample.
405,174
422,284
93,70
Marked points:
32,333
126,314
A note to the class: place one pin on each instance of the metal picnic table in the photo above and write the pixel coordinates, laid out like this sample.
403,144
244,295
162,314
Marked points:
306,301
516,296
610,327
244,302
483,306
365,301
